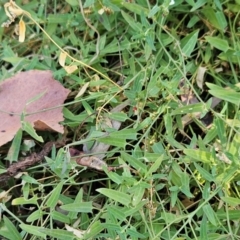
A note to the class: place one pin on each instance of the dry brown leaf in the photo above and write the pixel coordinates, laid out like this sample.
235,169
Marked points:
78,233
62,58
14,11
70,69
187,96
22,30
200,76
82,90
16,96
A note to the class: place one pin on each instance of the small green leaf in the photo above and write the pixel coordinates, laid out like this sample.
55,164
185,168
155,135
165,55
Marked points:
115,195
113,141
218,43
54,18
199,155
9,230
229,56
174,195
58,233
27,127
60,217
29,179
13,152
233,202
93,230
211,134
206,192
130,211
193,20
32,230
172,141
188,43
234,145
138,195
155,166
204,228
205,174
135,8
153,11
225,94
232,214
192,108
125,134
185,185
114,176
220,127
53,199
112,47
105,22
120,116
170,218
78,200
136,163
73,3
22,201
116,212
134,234
78,118
78,207
15,60
34,216
35,98
198,4
168,120
118,138
102,44
216,18
88,3
210,214
132,22
144,124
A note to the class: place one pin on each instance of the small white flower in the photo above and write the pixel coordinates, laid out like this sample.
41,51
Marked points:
172,2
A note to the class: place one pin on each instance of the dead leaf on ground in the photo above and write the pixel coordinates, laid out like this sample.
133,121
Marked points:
187,95
200,76
78,233
38,95
4,197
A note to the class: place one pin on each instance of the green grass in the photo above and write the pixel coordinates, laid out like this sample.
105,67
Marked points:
180,162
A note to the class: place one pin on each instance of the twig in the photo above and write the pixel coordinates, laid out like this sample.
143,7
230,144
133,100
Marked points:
29,161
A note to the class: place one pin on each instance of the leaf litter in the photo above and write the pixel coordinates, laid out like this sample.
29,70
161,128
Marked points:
33,96
90,158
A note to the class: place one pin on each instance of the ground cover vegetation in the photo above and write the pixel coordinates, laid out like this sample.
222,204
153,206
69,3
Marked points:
149,143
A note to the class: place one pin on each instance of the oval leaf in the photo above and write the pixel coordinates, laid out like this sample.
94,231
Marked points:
62,58
117,196
52,200
78,207
231,201
223,93
218,43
